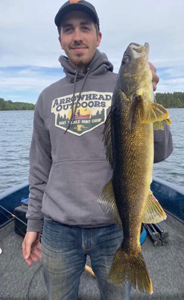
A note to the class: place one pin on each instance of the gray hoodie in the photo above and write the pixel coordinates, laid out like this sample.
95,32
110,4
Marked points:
68,167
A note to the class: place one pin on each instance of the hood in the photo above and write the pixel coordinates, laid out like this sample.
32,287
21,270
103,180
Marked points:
98,65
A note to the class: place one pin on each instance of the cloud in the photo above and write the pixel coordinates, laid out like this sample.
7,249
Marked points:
28,78
25,83
29,48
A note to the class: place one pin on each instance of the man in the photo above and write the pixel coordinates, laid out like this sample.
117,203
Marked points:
68,167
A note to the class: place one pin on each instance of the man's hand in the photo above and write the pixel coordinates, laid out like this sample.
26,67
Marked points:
31,247
155,78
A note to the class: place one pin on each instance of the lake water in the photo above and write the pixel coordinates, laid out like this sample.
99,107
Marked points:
15,138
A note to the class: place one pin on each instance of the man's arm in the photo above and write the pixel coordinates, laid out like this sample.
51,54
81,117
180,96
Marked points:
40,164
163,144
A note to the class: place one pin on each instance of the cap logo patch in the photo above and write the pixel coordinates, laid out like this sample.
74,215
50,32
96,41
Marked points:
74,1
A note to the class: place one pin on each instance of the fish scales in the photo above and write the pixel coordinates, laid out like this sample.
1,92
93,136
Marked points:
129,149
127,171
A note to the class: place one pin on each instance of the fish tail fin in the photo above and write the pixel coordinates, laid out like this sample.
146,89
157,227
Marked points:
132,269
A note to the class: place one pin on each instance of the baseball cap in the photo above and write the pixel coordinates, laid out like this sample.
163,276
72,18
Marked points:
79,5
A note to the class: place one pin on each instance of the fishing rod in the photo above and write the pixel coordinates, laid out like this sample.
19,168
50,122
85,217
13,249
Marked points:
14,216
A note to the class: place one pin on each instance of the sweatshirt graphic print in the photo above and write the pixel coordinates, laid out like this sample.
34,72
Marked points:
90,111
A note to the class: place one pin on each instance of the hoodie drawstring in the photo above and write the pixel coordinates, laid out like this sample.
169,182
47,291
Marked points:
75,108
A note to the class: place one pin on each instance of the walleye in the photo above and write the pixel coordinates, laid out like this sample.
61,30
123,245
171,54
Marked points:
128,137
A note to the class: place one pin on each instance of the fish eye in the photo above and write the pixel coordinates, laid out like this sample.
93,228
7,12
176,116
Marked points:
126,59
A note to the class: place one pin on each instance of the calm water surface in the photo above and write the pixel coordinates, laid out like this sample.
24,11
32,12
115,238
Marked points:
15,137
172,169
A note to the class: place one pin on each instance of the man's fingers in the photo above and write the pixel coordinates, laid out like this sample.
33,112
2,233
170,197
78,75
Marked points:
29,261
26,253
31,247
39,246
26,250
154,86
33,257
155,78
152,67
37,251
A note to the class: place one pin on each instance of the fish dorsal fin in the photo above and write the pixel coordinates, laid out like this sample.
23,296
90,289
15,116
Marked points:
107,138
108,203
154,213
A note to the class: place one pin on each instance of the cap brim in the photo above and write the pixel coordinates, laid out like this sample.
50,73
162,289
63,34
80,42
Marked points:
74,7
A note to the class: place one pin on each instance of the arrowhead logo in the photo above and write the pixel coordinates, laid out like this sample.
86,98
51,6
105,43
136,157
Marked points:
91,111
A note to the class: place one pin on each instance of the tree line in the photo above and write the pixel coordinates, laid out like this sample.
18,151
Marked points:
168,100
171,100
9,105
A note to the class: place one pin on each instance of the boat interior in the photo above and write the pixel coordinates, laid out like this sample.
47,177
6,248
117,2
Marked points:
164,260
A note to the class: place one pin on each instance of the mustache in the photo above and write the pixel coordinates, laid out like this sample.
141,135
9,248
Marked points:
77,44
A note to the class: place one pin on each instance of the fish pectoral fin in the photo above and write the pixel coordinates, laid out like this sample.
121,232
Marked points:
108,139
154,212
156,113
168,121
128,267
136,113
108,203
158,125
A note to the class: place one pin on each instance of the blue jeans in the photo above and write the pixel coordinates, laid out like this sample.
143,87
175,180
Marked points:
64,251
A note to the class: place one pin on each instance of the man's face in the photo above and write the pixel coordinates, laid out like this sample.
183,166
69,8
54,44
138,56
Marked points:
79,39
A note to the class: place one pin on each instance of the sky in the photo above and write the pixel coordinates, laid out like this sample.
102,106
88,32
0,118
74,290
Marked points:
29,47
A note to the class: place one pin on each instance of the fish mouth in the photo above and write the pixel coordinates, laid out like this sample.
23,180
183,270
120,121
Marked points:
139,50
